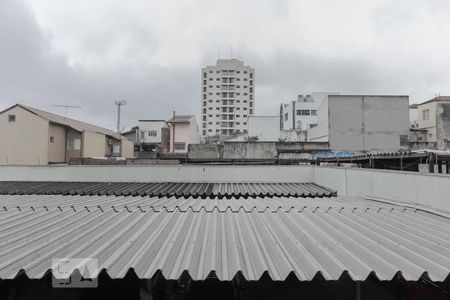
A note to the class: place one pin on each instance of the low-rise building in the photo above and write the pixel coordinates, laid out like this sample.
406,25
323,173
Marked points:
183,131
154,135
31,136
434,117
362,123
302,113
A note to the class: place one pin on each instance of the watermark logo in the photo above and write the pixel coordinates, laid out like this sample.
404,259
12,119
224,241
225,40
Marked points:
66,276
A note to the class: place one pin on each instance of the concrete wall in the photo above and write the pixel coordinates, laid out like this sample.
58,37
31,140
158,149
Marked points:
320,133
57,149
185,173
442,124
93,144
245,150
185,133
205,151
25,141
368,123
126,149
429,124
266,128
428,190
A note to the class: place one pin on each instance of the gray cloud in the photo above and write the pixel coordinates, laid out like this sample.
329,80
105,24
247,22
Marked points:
130,59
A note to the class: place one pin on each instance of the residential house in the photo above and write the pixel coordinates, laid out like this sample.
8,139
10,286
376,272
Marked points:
183,131
31,136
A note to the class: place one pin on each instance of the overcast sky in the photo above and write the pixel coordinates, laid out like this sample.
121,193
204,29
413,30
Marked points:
90,53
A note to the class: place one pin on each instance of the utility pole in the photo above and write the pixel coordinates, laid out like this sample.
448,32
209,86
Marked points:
66,107
119,104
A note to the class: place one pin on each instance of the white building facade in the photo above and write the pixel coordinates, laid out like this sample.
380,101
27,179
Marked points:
302,113
154,133
227,98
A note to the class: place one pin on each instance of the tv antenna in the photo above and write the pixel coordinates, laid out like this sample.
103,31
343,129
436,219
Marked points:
66,108
119,104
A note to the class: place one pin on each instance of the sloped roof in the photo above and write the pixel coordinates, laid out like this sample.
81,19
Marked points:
438,98
181,119
74,124
350,236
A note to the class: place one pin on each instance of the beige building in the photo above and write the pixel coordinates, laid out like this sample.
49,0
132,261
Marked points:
434,117
31,136
228,97
183,131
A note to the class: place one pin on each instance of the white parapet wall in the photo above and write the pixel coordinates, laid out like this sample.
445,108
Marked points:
416,189
179,173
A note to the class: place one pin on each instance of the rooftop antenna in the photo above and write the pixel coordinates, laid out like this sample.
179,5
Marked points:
66,108
119,104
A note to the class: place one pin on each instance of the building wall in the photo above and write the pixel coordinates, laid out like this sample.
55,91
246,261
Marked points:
25,141
148,128
442,125
320,132
186,133
57,149
363,123
218,115
73,144
413,116
266,128
126,148
429,124
93,144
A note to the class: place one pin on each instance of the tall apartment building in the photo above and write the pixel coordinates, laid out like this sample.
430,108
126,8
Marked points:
228,97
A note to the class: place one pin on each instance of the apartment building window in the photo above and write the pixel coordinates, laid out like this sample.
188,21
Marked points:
313,112
209,130
204,132
218,72
251,111
245,79
251,104
217,116
245,72
205,75
217,94
218,86
204,96
286,116
237,123
210,72
303,112
217,123
251,90
251,75
204,110
210,101
204,89
210,86
11,118
210,123
52,140
251,82
204,82
210,116
217,79
204,103
179,146
251,97
204,118
426,114
245,123
245,116
152,133
142,135
210,79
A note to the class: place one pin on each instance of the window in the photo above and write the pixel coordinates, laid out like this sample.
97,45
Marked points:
251,90
251,97
204,75
74,144
238,72
426,114
204,118
204,96
210,72
209,116
152,133
210,79
142,134
286,116
204,132
204,89
52,140
251,75
179,146
11,118
313,112
303,112
245,72
204,125
204,103
251,111
204,82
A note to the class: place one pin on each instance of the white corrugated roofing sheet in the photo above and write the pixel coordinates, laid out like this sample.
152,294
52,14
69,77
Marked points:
348,237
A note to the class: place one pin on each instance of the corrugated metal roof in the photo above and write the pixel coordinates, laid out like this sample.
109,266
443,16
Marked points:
170,204
354,238
166,189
